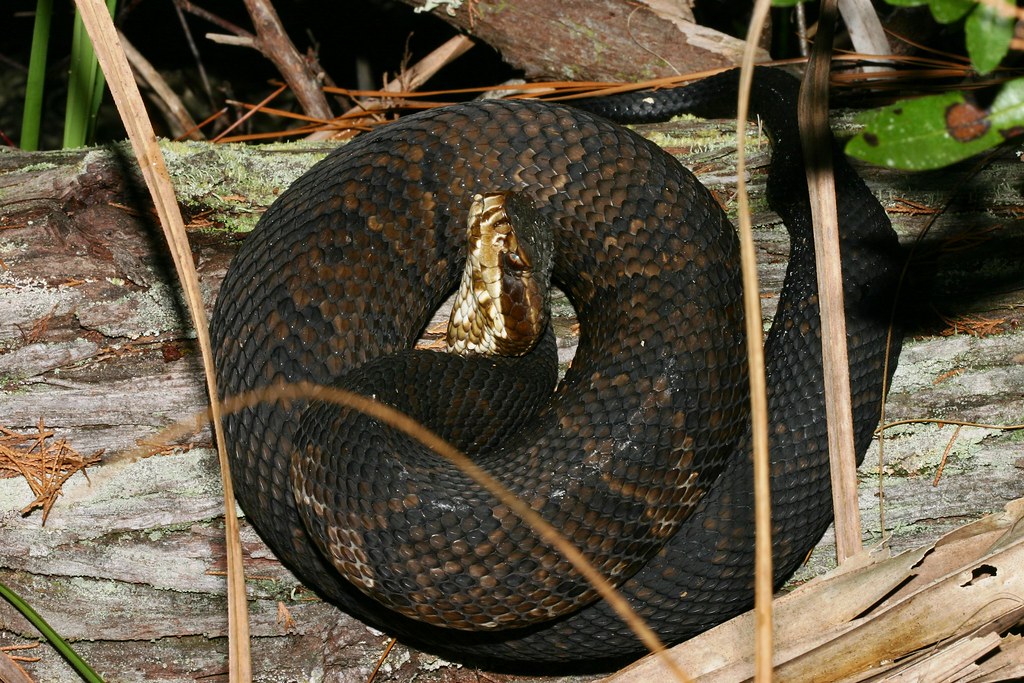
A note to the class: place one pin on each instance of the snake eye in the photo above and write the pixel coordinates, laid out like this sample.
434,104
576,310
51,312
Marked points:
515,260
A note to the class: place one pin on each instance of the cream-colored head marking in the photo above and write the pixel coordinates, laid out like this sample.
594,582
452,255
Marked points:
501,305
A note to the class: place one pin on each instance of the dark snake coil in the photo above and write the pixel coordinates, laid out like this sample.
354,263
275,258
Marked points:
641,453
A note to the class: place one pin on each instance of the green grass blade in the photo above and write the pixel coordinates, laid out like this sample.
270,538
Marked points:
81,74
32,117
99,84
85,87
83,669
99,87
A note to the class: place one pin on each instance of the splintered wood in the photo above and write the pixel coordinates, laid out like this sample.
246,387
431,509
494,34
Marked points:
945,613
45,463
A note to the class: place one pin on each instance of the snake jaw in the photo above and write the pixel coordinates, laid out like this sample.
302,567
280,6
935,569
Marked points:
501,307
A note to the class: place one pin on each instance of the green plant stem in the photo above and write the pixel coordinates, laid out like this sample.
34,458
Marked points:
99,87
83,669
31,120
85,87
80,76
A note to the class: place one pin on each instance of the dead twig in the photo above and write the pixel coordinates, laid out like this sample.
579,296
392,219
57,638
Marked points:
945,455
302,76
174,112
415,76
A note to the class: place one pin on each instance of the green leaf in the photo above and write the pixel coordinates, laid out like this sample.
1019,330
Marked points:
938,130
948,11
786,3
944,11
988,37
1007,111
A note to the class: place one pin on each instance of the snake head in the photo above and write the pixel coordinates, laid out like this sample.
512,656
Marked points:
501,307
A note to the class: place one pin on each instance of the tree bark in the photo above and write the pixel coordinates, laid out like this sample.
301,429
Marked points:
598,40
93,343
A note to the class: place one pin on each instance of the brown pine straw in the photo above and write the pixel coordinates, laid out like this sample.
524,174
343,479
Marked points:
245,117
383,658
44,462
942,66
11,670
945,455
943,422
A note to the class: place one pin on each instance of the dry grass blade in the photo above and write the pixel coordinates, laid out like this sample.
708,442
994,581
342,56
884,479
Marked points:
400,421
864,27
143,140
755,359
45,464
813,116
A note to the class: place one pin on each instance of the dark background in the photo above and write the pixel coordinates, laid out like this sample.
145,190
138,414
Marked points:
359,45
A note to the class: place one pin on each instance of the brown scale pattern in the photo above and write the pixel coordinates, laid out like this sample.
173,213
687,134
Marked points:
639,454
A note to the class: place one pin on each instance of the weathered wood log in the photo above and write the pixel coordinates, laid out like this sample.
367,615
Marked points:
598,40
93,344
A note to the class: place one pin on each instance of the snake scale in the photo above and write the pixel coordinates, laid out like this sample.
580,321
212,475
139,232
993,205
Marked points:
640,454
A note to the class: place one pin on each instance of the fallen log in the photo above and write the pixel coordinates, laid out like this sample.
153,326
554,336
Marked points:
592,40
93,347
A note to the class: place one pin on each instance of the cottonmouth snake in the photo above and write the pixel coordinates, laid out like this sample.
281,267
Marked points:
640,455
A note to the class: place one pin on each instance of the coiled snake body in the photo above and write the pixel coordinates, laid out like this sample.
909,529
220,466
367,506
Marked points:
640,455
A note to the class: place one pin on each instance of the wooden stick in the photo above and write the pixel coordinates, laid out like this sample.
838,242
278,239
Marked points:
273,42
865,29
419,73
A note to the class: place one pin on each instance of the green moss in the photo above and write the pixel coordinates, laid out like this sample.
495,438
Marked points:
40,166
232,184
